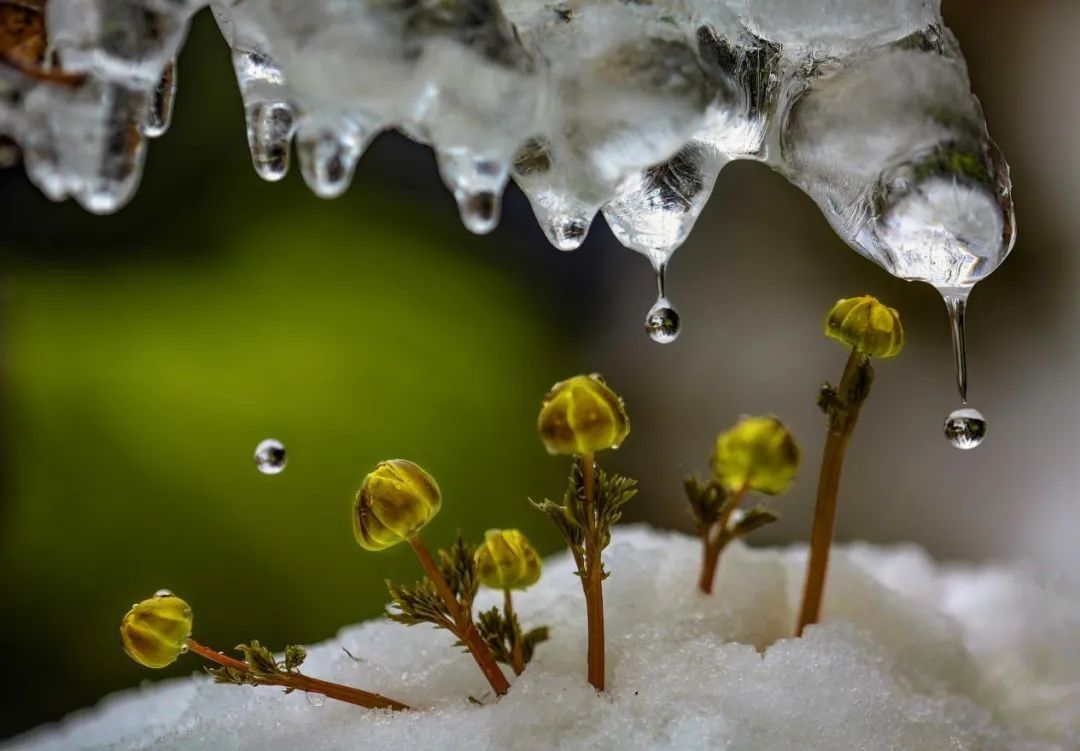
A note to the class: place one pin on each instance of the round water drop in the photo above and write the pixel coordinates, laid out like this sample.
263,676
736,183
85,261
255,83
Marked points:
163,593
315,700
662,322
965,428
270,458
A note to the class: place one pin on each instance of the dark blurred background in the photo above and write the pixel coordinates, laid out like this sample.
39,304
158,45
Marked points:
144,355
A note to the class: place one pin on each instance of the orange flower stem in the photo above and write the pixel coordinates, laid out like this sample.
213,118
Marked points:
832,463
517,654
463,621
301,682
714,544
593,581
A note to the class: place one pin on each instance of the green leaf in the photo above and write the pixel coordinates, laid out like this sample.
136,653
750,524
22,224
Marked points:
259,659
707,501
612,492
294,657
755,518
458,567
531,639
419,603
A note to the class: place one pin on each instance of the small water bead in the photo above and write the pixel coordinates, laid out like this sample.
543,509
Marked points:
965,428
270,457
315,700
163,593
662,322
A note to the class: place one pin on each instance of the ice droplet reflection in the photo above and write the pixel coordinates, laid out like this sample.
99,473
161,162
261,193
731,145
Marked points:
662,322
965,428
270,457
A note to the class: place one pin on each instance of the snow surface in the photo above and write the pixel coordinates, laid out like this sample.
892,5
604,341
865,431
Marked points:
912,656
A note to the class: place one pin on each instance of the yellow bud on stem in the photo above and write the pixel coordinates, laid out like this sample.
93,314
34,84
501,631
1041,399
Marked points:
759,454
582,415
155,631
506,560
394,502
867,326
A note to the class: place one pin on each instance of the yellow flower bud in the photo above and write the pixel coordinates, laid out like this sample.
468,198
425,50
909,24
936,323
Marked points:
581,415
507,560
155,631
395,500
759,452
866,325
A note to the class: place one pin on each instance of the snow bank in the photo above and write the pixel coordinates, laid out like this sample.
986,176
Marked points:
912,656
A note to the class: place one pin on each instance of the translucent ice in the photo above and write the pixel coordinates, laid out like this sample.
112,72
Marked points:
910,656
629,108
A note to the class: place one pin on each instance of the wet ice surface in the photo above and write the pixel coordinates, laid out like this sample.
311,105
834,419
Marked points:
912,656
629,108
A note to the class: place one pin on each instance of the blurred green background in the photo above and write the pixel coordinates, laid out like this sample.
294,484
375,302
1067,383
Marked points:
144,355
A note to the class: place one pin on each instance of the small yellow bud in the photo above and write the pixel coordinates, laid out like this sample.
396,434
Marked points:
581,415
866,325
155,631
507,560
759,452
395,500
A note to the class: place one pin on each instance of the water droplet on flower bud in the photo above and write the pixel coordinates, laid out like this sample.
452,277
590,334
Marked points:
270,458
965,428
163,593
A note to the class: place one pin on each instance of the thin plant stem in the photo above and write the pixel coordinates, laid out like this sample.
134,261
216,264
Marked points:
593,581
301,682
832,462
466,629
714,544
517,654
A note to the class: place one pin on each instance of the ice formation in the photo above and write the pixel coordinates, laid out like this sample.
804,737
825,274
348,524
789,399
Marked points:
911,656
629,108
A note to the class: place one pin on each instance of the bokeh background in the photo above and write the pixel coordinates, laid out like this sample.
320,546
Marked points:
143,356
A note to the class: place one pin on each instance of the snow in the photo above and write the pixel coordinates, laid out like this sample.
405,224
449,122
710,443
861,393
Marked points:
911,656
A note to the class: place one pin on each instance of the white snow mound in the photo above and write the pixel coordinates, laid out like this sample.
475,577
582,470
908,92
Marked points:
911,656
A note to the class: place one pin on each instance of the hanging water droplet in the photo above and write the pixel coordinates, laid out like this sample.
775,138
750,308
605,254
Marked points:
161,104
270,457
662,322
315,700
956,304
270,128
965,428
163,593
183,649
566,233
480,211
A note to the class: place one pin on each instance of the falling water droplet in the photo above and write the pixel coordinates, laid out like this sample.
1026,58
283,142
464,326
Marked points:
161,104
965,428
270,458
662,321
315,700
163,593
